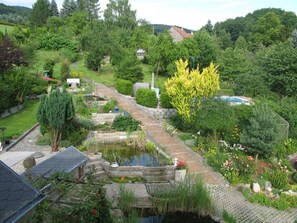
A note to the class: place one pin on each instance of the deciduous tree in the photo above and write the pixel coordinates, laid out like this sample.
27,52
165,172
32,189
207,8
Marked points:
187,88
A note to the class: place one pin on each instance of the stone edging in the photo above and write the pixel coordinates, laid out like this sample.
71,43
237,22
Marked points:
20,138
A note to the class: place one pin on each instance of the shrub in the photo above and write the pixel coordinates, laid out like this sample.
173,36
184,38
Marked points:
85,123
109,106
49,67
178,122
165,100
125,123
124,86
65,71
43,140
146,97
150,147
279,179
55,42
129,69
294,177
93,61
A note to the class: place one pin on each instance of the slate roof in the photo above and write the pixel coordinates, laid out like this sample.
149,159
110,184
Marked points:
65,161
17,197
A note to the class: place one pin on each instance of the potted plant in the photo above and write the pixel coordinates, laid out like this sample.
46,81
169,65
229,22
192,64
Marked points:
181,171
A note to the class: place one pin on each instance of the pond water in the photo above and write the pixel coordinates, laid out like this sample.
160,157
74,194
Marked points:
177,218
127,156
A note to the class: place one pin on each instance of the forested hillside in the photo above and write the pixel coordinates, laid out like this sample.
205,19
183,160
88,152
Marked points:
14,14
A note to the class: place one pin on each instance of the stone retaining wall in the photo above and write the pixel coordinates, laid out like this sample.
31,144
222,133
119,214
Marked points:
150,174
101,118
111,137
11,111
159,113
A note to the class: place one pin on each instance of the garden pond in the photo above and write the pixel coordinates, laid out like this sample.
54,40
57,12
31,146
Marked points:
125,155
177,217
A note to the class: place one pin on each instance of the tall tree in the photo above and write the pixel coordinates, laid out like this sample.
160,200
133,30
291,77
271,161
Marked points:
161,53
54,8
119,13
187,88
40,12
93,8
280,68
55,112
68,8
10,55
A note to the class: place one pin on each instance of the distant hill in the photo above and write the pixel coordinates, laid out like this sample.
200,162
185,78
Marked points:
19,10
159,28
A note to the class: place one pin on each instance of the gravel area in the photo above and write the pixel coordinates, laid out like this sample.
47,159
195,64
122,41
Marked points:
28,144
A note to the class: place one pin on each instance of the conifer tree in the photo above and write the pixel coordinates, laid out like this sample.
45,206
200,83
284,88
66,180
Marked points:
54,8
260,135
40,12
55,112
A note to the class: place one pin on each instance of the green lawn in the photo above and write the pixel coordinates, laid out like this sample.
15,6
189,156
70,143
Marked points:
20,122
104,76
7,27
42,56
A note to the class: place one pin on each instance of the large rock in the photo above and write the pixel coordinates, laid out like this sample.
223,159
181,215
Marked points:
29,162
256,187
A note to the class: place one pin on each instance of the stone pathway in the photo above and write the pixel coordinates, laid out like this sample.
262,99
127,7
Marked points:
224,196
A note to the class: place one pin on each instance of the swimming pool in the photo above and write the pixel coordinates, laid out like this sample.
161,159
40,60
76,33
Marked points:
233,100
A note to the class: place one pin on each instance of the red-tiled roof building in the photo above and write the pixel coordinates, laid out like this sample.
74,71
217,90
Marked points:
178,34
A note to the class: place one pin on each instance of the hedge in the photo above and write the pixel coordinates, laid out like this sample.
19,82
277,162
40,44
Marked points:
124,86
165,100
146,97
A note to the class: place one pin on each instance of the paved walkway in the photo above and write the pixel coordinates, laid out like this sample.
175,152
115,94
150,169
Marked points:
223,196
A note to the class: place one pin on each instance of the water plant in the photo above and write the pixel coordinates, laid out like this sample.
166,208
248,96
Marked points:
187,196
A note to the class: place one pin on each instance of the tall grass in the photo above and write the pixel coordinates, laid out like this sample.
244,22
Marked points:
127,200
186,196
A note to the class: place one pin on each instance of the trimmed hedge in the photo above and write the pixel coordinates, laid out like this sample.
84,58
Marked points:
165,100
124,86
146,97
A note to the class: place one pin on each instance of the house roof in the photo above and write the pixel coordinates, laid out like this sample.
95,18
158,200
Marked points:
182,32
17,197
66,161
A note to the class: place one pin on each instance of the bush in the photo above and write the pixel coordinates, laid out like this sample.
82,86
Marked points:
124,86
165,100
150,147
65,71
55,42
279,179
109,106
178,122
49,67
125,123
43,140
93,61
85,123
146,97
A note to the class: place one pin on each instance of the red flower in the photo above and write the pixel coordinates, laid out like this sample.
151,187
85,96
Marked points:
94,211
181,165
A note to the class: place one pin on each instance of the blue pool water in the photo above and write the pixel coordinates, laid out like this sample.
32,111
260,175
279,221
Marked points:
234,99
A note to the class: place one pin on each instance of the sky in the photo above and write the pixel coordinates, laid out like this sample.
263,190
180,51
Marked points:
191,14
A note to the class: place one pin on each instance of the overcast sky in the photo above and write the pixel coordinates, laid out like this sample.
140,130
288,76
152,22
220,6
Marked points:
192,14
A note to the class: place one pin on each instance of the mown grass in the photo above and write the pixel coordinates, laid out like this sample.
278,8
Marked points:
42,56
20,122
104,76
6,27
